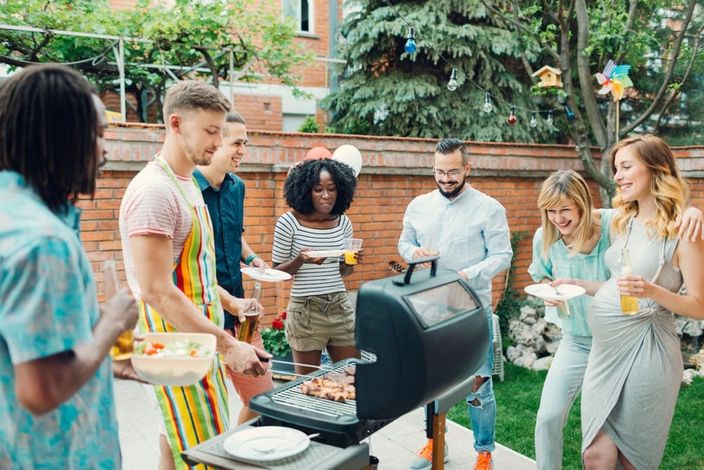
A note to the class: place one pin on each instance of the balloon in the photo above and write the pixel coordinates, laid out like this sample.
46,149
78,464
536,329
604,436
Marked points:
350,155
316,153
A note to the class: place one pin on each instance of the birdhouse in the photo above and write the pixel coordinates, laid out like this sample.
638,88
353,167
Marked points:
549,77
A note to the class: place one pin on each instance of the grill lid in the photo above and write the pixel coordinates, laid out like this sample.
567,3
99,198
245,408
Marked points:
429,333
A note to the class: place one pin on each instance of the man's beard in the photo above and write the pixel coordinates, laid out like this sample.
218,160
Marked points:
452,194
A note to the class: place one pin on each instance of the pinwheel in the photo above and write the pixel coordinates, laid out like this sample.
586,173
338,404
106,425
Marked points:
614,79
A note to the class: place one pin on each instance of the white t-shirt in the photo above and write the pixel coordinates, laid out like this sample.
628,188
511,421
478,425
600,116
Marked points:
153,205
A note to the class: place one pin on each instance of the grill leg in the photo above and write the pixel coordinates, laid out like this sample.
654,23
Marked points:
439,441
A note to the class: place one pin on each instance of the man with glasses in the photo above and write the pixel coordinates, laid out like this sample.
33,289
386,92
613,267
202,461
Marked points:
469,230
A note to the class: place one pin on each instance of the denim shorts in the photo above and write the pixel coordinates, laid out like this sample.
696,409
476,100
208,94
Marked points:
317,321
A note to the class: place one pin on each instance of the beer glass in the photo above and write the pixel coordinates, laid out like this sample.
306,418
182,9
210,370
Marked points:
251,317
123,347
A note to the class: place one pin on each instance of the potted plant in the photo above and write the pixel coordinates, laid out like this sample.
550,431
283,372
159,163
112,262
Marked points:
274,339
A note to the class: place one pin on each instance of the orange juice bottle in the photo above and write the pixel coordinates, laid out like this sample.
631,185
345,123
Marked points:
629,303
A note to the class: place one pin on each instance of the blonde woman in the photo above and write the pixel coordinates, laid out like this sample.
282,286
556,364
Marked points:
571,244
635,366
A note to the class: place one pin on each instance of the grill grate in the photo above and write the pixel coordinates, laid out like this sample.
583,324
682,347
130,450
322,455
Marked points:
293,396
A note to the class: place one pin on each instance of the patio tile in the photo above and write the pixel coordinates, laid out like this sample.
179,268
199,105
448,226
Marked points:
395,445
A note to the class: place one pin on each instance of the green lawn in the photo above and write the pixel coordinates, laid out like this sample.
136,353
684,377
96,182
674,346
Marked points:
518,397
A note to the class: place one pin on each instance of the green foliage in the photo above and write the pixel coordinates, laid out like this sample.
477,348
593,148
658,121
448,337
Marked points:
310,125
511,302
385,91
188,34
274,337
518,399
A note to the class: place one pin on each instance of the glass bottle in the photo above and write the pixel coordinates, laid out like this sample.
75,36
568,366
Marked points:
629,303
123,347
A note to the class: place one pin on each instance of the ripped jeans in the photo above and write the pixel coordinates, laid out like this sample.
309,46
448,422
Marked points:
483,413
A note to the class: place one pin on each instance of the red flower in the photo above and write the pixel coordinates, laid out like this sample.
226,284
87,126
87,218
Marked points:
277,324
283,315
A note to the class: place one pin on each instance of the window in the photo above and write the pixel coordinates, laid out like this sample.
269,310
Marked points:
302,12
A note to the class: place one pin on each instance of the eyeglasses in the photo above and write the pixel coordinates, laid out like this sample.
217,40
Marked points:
454,173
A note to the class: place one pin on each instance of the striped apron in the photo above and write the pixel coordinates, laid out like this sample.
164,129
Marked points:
198,412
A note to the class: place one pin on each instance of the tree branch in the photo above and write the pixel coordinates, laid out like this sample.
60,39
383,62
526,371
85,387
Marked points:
668,74
675,93
585,76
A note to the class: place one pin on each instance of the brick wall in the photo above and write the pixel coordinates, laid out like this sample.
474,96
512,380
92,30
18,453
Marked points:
395,171
260,112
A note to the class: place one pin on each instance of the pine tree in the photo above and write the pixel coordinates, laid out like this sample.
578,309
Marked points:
386,91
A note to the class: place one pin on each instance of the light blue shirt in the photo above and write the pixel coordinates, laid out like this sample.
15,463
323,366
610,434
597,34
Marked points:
48,306
559,263
470,232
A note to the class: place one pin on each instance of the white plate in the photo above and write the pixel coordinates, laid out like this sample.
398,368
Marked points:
243,444
546,292
326,253
266,275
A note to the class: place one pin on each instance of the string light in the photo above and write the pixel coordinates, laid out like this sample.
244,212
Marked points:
533,121
512,119
452,84
411,46
569,113
487,107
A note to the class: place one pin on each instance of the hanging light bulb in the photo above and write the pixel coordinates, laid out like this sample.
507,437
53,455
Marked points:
550,120
512,119
487,107
452,84
533,121
411,46
569,113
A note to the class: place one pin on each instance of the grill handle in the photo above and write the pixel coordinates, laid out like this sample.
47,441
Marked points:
433,260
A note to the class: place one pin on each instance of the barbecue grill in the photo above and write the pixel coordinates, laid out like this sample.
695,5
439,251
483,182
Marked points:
429,333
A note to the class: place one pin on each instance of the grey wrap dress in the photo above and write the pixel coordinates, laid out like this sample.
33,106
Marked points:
635,366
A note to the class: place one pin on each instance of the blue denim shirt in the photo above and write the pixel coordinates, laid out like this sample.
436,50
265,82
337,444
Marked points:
226,207
48,305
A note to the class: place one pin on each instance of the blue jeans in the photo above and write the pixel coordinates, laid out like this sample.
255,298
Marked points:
483,414
563,383
481,404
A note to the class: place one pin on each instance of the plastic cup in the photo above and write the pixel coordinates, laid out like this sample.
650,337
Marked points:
352,246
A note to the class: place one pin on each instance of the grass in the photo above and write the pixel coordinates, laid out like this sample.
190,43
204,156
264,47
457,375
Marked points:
518,397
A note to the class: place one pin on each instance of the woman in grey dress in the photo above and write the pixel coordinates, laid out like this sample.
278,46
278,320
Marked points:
635,366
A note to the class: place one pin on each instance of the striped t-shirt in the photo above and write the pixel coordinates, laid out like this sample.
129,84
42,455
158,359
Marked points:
290,237
153,205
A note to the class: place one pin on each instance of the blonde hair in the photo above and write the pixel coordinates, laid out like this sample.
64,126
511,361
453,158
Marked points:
567,185
192,94
667,186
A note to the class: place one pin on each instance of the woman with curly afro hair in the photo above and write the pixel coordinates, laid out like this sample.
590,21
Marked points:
320,314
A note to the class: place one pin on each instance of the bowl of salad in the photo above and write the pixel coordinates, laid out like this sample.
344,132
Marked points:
176,359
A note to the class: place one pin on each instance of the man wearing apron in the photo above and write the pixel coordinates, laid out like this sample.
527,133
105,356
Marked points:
167,241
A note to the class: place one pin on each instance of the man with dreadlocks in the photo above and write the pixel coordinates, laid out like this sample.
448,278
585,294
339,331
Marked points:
57,405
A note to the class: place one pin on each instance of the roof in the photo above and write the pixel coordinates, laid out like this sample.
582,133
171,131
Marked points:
546,68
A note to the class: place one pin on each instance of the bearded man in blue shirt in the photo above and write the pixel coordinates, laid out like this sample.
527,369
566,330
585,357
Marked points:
469,230
223,192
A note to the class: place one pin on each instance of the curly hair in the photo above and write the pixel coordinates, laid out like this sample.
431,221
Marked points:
668,187
302,178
